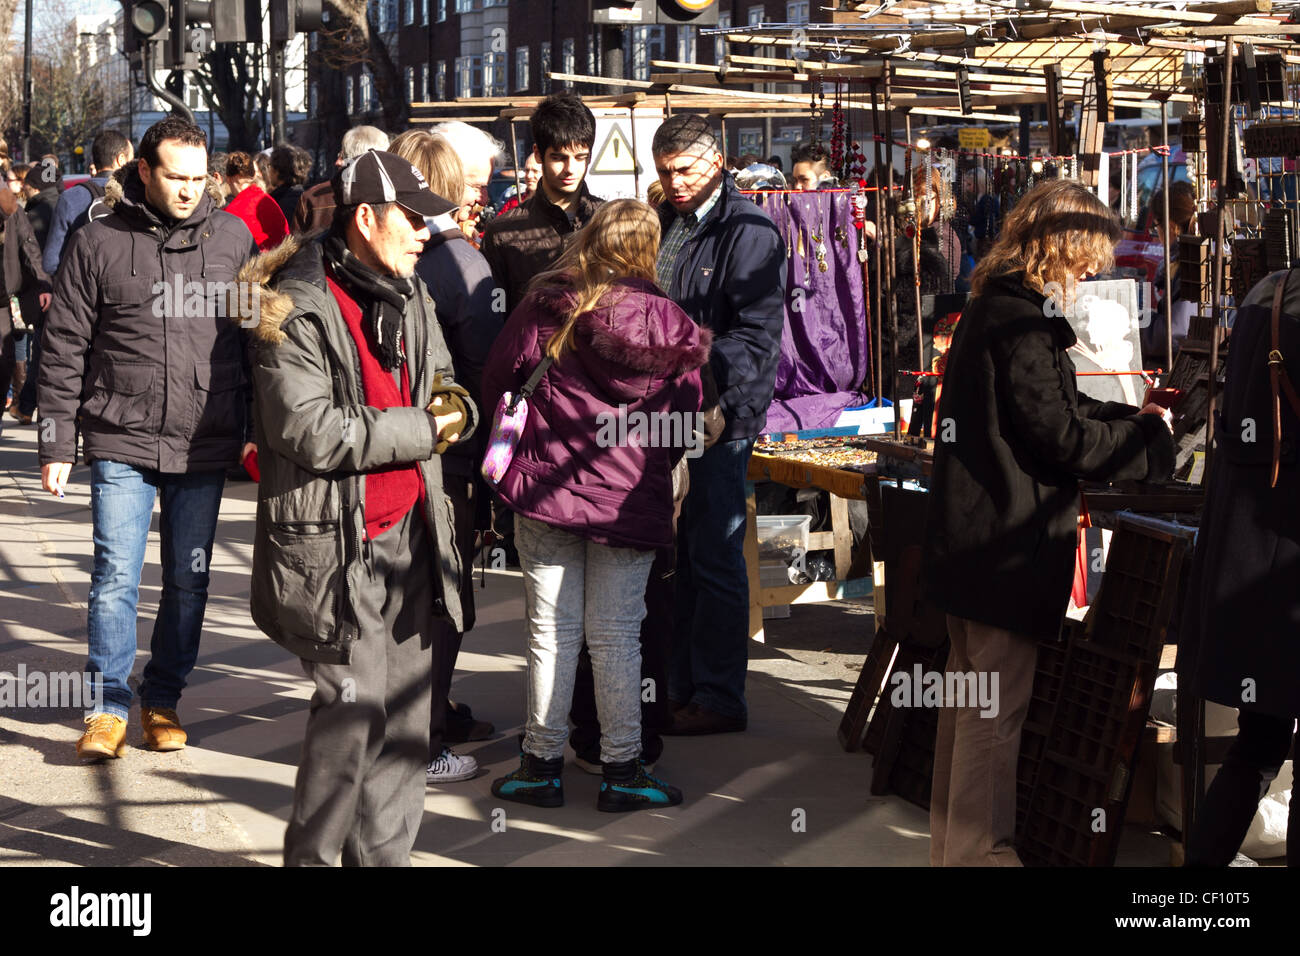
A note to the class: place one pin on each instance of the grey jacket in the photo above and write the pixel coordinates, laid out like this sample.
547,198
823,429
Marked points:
317,439
152,378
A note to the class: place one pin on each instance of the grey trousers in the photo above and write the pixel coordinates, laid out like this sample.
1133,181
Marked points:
973,793
360,786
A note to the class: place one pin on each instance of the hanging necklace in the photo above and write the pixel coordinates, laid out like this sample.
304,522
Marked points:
817,237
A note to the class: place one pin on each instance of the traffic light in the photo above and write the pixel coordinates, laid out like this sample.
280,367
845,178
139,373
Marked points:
291,17
142,21
188,38
236,21
634,12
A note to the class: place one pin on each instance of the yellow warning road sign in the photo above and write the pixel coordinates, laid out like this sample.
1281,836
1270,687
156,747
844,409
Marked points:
615,154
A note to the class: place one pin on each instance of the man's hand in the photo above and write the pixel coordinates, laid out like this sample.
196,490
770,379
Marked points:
247,450
44,298
1165,414
54,476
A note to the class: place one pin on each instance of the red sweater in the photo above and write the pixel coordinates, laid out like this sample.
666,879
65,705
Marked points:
393,490
262,215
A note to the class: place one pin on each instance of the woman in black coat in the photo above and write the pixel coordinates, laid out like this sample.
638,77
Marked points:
1015,437
1239,644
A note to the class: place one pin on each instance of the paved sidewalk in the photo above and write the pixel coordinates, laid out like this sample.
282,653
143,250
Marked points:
224,800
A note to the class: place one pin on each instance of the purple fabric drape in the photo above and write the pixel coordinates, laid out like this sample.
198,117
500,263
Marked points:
825,346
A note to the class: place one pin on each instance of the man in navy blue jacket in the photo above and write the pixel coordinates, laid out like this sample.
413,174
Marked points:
722,260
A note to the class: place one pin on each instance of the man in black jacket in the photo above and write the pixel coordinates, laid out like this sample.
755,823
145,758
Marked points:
527,240
722,260
139,355
22,282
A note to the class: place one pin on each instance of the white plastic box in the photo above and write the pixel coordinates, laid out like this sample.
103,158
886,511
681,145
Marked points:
780,535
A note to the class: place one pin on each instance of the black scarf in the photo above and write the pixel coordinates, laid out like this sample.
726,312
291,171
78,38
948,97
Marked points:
383,297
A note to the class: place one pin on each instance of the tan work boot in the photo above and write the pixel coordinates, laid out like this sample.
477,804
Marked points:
105,736
162,729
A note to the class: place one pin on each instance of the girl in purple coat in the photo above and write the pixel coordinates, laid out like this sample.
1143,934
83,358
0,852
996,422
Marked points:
591,485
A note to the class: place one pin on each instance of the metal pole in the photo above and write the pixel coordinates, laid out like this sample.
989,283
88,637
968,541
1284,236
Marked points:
279,133
877,313
27,84
1169,281
1220,239
889,253
152,54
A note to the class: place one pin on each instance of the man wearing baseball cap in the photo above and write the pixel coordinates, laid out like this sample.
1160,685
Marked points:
353,556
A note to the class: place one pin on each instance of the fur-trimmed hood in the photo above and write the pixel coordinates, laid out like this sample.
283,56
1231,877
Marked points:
634,339
271,307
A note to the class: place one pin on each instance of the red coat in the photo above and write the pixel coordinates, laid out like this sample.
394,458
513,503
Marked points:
262,215
637,357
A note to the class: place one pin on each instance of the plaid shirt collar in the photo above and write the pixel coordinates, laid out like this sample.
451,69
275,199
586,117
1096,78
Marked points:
683,226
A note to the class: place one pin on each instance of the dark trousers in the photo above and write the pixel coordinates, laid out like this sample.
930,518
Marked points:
1262,744
360,785
710,652
446,639
27,399
656,640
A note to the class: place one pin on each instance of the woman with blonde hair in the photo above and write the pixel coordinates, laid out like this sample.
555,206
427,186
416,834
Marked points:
591,486
461,285
1015,439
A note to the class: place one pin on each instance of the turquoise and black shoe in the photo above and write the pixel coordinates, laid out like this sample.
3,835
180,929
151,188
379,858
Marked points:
536,782
627,786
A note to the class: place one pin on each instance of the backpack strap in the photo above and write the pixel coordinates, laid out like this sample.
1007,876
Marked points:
1277,375
96,190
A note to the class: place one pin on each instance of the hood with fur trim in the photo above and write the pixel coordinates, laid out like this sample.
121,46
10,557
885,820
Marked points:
635,339
272,307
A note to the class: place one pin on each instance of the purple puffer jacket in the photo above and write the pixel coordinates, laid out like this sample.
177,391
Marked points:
578,466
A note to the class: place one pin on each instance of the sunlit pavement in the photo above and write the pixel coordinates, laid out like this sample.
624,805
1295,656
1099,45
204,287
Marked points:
781,793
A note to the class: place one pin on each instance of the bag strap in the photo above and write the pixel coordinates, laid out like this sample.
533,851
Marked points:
1277,375
531,385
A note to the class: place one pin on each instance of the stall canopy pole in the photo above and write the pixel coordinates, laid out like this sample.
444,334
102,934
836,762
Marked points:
1220,239
878,314
889,253
1164,232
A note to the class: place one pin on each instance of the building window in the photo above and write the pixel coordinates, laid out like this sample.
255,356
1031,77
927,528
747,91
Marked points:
464,6
496,3
349,94
442,11
751,140
544,66
424,82
469,75
755,16
440,81
719,41
422,12
647,45
593,52
521,68
494,74
312,97
686,44
408,12
365,93
797,12
568,60
410,84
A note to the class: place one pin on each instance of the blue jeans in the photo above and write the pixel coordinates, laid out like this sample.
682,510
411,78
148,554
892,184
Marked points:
576,589
121,505
711,640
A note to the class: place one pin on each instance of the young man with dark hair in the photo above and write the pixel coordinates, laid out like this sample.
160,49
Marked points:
109,150
159,396
808,165
527,240
723,261
354,561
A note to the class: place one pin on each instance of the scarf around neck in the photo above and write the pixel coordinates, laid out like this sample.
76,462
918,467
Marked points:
383,298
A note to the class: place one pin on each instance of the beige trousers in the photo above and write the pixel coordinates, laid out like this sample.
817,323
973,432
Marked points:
973,793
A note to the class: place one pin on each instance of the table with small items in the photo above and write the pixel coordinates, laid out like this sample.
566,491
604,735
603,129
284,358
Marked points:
847,466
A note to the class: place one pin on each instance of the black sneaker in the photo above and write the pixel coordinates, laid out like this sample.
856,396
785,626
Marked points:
536,782
629,786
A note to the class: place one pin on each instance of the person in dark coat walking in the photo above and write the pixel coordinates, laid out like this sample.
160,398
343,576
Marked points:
22,282
139,358
1015,438
591,486
1239,644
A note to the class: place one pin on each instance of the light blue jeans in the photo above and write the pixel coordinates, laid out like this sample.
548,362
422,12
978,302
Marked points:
575,588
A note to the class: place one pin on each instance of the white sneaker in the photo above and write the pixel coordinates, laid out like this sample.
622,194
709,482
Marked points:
450,767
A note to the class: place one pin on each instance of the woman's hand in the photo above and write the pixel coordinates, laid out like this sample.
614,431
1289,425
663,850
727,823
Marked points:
1165,414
